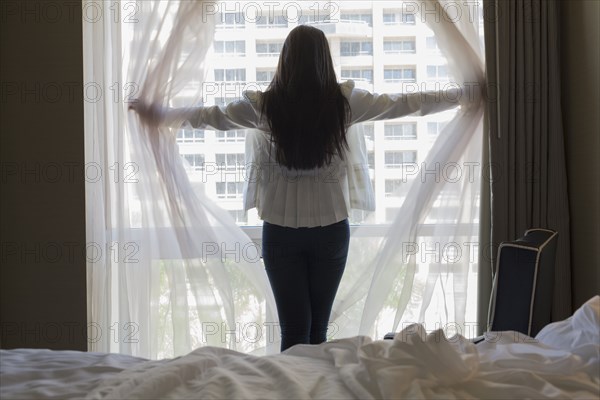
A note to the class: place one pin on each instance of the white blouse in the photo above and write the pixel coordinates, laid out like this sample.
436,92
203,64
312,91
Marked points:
321,196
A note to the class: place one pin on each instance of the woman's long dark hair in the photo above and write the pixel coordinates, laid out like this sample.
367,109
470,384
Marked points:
304,106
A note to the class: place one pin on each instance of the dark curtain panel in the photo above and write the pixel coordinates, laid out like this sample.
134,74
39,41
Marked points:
526,145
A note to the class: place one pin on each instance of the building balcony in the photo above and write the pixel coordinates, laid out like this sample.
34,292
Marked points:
345,28
355,60
402,58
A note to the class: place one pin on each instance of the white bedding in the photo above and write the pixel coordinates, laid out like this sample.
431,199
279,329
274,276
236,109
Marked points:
563,361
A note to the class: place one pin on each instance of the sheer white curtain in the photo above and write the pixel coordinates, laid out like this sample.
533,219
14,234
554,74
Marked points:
420,270
180,273
169,270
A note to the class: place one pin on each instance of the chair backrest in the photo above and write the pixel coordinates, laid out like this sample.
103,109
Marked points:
524,283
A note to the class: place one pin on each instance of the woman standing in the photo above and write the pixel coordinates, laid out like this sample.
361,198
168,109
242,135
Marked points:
303,178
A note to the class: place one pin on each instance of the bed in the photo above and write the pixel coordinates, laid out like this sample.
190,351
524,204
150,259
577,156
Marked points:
562,361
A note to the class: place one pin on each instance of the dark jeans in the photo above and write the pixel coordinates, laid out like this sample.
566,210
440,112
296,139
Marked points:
305,266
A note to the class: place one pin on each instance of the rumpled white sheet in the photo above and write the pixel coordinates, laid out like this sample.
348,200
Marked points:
47,374
562,362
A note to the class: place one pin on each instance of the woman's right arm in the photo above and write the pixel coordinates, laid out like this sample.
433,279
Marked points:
367,106
237,115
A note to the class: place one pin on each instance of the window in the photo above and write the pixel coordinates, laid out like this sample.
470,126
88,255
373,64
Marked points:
356,48
231,161
230,75
230,190
392,186
240,216
437,72
398,17
230,20
273,21
190,136
371,159
265,76
311,17
195,160
395,159
369,131
401,131
405,45
431,43
226,147
358,74
408,18
434,128
268,49
366,18
231,136
230,47
404,74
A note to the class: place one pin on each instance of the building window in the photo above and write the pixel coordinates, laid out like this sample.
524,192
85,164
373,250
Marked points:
358,74
356,48
371,159
196,161
277,21
369,131
230,20
395,159
389,18
431,43
357,17
392,186
405,45
230,190
265,76
230,75
311,17
406,74
268,49
434,128
190,136
230,161
437,72
240,216
401,131
230,47
238,135
398,17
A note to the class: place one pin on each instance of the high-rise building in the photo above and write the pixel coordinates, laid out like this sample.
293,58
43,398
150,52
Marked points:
382,46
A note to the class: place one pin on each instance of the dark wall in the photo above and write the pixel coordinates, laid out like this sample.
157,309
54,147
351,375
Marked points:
42,207
580,48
